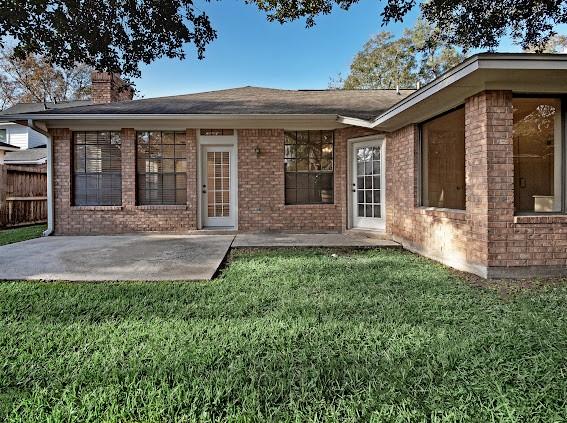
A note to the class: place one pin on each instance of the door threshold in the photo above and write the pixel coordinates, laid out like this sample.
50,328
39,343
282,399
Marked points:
218,230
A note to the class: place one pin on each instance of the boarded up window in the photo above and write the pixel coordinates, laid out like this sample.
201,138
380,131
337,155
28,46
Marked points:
97,168
161,168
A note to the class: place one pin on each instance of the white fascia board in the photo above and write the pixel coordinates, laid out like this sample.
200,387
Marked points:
427,91
354,121
497,61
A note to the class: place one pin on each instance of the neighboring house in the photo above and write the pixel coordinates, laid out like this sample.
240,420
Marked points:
22,136
6,148
469,170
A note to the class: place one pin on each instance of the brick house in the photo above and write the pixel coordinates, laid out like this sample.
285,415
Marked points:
469,170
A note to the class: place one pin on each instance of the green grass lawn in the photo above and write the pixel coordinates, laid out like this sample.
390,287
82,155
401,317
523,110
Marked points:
285,336
9,236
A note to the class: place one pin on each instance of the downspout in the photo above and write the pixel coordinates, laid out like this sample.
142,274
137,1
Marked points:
50,228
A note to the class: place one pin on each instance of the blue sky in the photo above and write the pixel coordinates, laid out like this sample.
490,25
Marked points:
250,50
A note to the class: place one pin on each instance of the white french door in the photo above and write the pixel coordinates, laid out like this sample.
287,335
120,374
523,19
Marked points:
367,185
218,186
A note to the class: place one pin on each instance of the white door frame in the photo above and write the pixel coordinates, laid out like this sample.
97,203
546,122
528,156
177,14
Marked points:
350,178
220,141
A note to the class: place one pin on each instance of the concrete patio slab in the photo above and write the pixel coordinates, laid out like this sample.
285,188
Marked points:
119,257
311,240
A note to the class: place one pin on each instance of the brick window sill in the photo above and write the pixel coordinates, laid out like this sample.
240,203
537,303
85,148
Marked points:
96,208
163,207
452,214
541,219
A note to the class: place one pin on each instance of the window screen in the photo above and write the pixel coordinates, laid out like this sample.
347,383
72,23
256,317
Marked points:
443,161
309,166
161,168
97,168
537,155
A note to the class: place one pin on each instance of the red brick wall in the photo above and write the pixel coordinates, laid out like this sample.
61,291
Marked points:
437,233
487,238
517,245
261,199
261,190
118,219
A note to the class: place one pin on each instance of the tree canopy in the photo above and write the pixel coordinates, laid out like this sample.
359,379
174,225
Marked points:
35,80
418,57
109,35
470,24
119,35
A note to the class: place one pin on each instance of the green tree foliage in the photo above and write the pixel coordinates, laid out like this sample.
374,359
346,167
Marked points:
109,35
119,35
467,23
419,56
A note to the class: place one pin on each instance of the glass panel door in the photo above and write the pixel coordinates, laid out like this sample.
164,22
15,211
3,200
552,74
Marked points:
218,186
218,183
368,185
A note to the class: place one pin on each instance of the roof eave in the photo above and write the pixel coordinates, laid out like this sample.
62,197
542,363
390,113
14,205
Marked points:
165,116
477,62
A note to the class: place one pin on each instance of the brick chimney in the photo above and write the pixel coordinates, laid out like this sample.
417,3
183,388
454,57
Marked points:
108,88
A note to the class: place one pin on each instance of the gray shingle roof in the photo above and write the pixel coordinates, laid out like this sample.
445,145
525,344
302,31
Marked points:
364,104
41,107
30,155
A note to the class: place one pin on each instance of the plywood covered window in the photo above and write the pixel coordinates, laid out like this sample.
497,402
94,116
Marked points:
97,168
161,168
309,167
537,154
443,161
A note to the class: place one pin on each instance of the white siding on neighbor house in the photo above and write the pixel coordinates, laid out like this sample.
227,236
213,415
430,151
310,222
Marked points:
22,136
17,136
36,139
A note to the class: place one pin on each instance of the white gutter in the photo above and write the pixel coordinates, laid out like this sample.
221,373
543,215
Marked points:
25,162
354,121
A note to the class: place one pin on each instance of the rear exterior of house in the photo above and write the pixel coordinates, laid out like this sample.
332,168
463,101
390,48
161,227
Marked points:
469,170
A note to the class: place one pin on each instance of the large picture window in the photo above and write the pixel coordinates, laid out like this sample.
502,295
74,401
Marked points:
97,168
161,168
443,161
309,166
537,154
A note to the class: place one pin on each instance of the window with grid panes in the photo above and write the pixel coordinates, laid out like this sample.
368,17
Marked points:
161,167
309,167
97,168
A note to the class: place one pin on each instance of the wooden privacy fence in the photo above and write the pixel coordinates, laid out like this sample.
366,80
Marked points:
23,195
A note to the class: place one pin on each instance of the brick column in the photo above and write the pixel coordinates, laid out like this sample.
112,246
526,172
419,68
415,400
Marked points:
193,191
489,173
128,168
61,139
